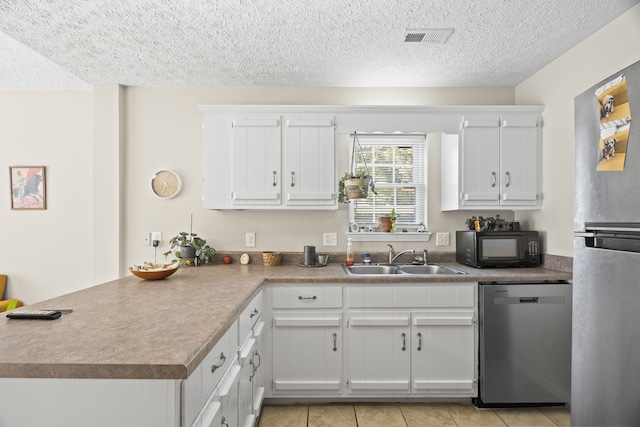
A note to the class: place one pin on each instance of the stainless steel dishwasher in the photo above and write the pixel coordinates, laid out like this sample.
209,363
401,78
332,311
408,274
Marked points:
525,343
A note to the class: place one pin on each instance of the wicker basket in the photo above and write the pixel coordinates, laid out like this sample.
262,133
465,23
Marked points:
271,259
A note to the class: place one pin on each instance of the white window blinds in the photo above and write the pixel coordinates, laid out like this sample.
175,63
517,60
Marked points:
397,164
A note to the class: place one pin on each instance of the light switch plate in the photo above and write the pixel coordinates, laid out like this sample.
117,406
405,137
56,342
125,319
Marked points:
330,239
442,239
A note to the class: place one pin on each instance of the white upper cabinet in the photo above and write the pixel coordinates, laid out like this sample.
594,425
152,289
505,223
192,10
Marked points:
309,160
255,166
269,161
493,164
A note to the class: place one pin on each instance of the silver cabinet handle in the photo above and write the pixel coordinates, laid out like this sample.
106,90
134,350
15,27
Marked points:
301,298
224,422
259,359
404,341
253,370
254,313
508,178
419,341
293,175
274,178
335,342
493,175
223,360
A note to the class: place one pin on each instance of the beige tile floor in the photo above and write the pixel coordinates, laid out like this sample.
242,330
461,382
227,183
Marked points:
410,415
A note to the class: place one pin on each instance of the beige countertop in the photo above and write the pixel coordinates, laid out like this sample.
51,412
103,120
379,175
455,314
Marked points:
132,328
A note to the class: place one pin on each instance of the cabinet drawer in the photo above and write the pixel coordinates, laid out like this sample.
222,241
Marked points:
249,317
307,297
218,360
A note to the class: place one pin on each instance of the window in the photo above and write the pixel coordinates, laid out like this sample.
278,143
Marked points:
397,165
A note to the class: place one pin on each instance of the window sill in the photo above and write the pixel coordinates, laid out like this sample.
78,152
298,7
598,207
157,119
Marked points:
389,237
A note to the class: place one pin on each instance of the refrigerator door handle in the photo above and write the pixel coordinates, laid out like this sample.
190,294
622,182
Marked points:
584,234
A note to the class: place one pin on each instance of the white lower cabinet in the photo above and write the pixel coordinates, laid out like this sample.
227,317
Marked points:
228,380
307,352
306,340
379,352
443,352
401,340
251,384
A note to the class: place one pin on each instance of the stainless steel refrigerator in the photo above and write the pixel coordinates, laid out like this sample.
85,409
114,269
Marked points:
605,385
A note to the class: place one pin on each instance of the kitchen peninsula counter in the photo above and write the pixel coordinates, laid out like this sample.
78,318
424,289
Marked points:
162,329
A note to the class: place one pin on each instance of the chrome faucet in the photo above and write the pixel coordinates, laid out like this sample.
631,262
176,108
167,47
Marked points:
393,255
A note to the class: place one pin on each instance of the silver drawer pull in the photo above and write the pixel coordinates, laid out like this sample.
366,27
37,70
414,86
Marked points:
301,298
223,360
254,313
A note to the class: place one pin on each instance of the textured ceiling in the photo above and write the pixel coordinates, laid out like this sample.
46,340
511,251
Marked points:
67,44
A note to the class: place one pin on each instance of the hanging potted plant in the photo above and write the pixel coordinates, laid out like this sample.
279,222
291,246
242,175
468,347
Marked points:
355,184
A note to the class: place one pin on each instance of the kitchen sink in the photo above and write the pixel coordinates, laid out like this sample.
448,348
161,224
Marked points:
386,269
429,269
372,269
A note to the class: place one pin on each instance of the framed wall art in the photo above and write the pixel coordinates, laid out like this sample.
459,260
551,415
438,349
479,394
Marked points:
27,187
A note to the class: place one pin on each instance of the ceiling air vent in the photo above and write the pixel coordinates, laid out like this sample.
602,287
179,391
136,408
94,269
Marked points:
439,35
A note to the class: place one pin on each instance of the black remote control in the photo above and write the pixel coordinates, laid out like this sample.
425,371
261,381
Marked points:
34,314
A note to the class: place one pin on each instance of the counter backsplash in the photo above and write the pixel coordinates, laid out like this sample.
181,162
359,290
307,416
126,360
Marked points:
553,262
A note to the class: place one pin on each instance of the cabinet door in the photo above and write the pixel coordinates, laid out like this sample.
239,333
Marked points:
227,393
443,352
520,161
245,385
309,161
255,175
378,352
480,159
258,377
307,352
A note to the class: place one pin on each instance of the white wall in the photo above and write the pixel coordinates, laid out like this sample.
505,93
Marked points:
164,132
614,47
47,252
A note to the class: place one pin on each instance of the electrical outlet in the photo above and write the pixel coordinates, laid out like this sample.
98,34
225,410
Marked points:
146,239
250,240
330,239
156,235
442,239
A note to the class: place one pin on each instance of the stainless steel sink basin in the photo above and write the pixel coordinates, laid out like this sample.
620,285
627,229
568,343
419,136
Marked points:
371,269
384,269
428,269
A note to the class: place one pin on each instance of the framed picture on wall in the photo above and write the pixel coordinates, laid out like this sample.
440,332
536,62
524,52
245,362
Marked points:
27,187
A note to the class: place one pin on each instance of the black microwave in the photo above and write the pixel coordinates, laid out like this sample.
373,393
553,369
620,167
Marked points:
498,249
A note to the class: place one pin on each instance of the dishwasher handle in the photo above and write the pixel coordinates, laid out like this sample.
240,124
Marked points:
558,299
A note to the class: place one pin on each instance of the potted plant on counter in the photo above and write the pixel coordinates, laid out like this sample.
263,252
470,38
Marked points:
188,247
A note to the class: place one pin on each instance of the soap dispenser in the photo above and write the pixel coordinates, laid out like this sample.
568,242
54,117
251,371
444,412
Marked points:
349,260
